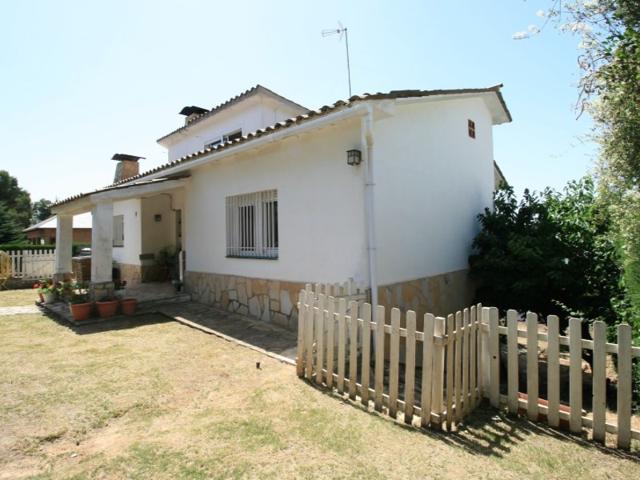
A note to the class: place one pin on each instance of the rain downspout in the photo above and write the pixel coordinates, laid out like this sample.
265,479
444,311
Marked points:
367,142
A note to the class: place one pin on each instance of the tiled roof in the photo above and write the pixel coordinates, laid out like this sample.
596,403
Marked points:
311,114
217,109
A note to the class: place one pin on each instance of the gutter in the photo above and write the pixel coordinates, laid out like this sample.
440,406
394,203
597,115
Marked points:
367,141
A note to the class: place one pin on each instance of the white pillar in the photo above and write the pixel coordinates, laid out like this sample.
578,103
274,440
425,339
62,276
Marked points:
102,243
64,246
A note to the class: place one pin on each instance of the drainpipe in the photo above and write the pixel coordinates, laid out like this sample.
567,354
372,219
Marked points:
368,144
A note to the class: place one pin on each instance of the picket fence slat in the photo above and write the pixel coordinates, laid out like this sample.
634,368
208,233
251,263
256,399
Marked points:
427,366
553,371
494,357
532,366
575,375
465,362
331,322
512,361
457,372
394,361
410,367
366,351
319,325
599,381
473,352
379,373
624,386
342,337
437,389
353,347
449,370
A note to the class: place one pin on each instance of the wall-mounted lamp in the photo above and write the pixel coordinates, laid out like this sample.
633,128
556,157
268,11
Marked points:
354,157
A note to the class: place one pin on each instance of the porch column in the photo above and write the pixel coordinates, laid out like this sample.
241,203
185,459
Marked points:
64,247
102,250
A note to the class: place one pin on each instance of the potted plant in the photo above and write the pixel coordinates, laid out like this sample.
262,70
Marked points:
107,307
79,303
49,290
129,306
38,286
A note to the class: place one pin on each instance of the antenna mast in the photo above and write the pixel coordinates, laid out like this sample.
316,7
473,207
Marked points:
340,31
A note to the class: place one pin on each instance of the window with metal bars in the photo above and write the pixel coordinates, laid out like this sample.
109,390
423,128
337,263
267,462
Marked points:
252,225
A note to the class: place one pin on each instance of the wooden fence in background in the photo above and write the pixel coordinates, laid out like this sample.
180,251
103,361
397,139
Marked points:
441,372
32,264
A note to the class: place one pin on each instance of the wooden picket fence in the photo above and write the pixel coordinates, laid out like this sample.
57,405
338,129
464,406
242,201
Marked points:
335,348
551,409
32,264
447,368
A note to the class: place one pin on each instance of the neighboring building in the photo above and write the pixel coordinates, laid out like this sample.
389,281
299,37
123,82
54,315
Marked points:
44,233
264,196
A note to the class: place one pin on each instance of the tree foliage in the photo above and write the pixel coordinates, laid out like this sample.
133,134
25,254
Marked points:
15,209
41,210
551,253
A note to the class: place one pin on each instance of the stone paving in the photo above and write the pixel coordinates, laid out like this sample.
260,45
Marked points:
19,310
269,337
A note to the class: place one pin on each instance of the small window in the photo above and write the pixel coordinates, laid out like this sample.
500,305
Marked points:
229,137
252,225
471,125
118,231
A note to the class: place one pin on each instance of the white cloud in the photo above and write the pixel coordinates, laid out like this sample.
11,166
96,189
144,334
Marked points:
520,35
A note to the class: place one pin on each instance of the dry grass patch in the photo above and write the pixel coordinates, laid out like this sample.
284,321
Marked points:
18,298
154,399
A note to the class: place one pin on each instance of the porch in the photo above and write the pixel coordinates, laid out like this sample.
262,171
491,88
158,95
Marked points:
136,239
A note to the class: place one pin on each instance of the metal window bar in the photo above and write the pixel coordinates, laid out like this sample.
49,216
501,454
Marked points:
252,225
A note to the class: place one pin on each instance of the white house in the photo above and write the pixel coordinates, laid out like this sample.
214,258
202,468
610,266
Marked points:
264,195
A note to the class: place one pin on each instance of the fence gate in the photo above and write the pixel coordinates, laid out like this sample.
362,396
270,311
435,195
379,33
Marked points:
32,264
432,373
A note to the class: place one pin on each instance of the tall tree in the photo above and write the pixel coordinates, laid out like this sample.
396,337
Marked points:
15,208
41,210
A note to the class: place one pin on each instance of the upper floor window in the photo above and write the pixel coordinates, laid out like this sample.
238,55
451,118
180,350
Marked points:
252,225
224,138
118,231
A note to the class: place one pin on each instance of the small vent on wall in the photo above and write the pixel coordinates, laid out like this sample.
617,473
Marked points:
471,126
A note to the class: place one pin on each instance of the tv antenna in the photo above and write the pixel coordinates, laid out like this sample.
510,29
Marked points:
341,31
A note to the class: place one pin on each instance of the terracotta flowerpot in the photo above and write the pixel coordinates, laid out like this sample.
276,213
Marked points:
81,311
129,306
107,308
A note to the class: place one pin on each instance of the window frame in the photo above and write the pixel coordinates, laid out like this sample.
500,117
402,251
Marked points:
251,221
118,240
230,136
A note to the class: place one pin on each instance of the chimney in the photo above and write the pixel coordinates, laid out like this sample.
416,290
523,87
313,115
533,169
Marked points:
191,113
127,166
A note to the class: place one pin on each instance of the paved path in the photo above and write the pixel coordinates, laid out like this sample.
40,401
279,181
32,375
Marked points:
19,310
263,335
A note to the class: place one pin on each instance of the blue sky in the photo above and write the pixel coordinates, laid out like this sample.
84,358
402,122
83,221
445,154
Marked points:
82,80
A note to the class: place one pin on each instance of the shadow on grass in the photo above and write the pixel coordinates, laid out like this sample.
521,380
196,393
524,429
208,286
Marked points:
488,432
116,323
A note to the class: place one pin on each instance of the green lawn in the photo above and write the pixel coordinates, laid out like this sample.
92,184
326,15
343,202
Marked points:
155,399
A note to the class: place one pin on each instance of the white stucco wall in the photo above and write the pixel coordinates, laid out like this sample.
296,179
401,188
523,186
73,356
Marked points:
130,252
249,115
432,180
157,235
320,205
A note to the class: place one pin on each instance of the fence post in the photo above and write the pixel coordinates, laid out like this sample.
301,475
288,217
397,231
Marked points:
512,361
330,339
427,365
437,390
553,370
301,334
624,386
575,375
394,359
410,366
379,372
353,349
319,321
532,366
599,380
366,352
494,357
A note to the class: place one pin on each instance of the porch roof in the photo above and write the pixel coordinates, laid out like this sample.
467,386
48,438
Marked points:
84,201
